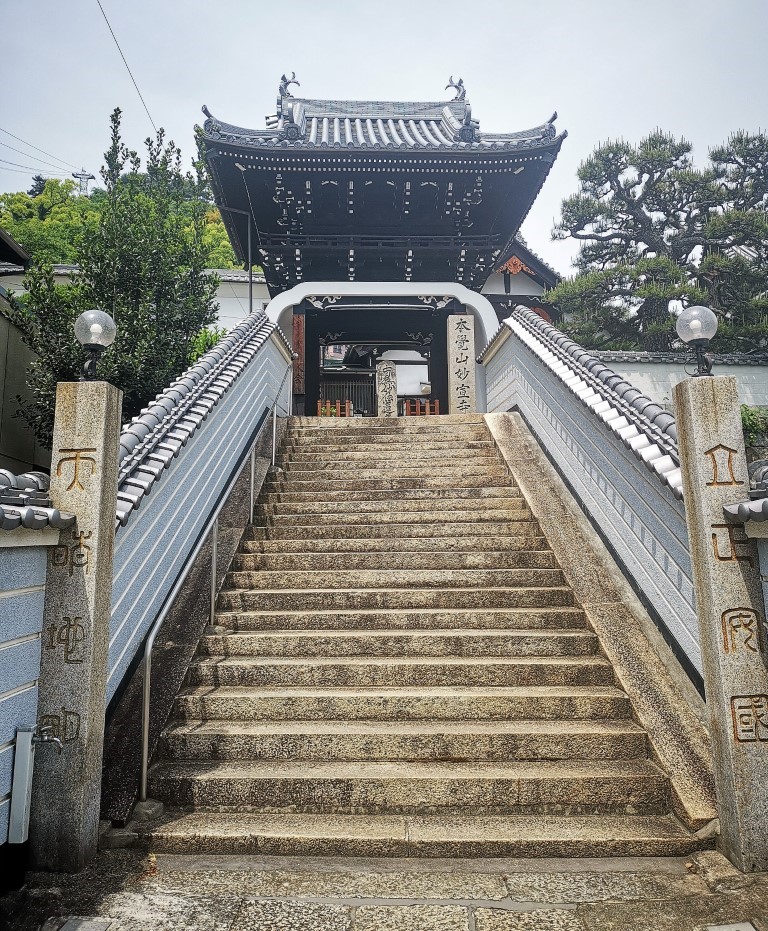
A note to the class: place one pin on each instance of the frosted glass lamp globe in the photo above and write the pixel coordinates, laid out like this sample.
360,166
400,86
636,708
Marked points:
95,328
696,325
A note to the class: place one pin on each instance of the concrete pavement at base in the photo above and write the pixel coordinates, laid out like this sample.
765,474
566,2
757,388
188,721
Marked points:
128,890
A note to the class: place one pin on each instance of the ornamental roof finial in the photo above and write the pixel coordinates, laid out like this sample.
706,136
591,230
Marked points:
461,91
285,83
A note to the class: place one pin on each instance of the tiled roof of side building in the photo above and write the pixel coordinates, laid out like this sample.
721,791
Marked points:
25,503
676,358
306,123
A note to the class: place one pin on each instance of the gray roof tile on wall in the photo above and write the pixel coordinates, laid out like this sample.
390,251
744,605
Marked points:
151,441
25,502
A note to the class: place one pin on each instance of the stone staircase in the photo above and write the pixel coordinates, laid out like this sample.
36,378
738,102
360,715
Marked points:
398,668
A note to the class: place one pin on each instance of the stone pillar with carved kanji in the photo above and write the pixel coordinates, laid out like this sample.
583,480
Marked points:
75,639
461,364
386,389
730,610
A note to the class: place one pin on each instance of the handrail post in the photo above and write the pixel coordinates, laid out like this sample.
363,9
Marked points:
145,701
253,482
214,559
274,433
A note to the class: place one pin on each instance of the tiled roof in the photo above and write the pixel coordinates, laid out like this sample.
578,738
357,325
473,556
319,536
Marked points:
154,438
756,507
644,426
678,358
366,124
24,502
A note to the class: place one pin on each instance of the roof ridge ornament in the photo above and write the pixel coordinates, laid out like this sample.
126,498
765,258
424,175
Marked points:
286,82
461,91
469,127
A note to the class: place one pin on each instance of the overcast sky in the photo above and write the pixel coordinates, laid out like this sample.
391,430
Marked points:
611,68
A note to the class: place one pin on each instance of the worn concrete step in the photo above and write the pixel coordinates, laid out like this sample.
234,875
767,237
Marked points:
332,561
435,642
492,529
312,458
404,740
426,836
321,599
395,503
335,423
342,473
419,621
573,787
394,578
452,703
350,483
485,515
379,433
397,449
416,545
396,671
471,496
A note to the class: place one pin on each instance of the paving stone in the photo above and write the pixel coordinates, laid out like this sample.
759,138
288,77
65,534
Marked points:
411,918
344,884
139,911
492,919
596,887
292,916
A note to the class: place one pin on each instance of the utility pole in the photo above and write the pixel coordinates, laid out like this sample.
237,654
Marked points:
83,178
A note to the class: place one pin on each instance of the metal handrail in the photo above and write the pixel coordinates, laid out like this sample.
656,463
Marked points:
212,525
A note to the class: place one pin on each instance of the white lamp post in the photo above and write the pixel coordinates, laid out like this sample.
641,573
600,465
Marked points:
95,331
696,326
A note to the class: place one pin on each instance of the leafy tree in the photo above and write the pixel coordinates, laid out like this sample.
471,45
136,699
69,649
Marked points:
655,233
38,185
142,260
48,224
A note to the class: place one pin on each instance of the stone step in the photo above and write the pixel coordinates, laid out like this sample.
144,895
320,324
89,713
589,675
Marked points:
574,787
451,703
301,453
492,529
379,433
448,472
321,599
399,671
435,642
345,482
406,562
425,619
403,740
426,836
486,515
331,423
393,447
360,504
396,579
414,545
475,497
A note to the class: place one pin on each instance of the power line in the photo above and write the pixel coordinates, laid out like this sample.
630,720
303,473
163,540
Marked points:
37,147
126,65
29,155
20,171
6,162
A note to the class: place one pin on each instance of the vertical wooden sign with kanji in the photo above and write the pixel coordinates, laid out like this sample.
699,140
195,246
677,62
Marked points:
461,364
